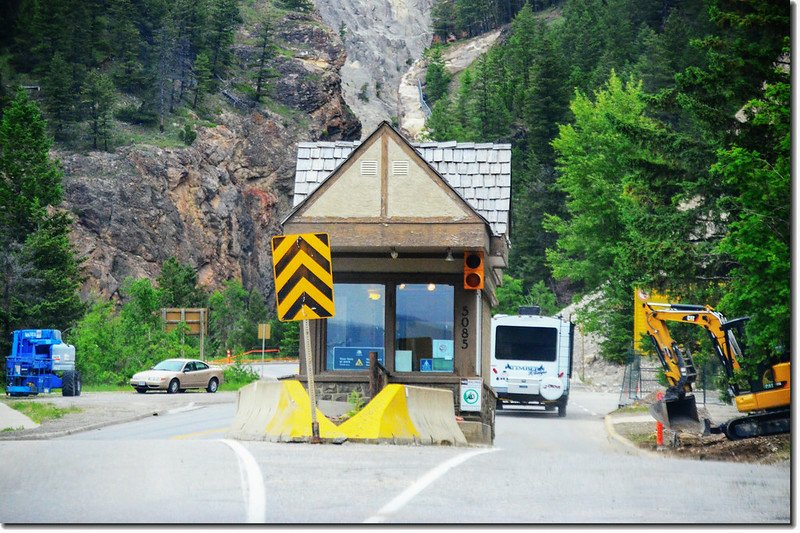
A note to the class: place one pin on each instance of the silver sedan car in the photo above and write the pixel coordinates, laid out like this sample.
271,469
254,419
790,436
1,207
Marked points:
177,375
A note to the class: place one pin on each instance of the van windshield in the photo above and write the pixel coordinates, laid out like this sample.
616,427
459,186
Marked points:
521,343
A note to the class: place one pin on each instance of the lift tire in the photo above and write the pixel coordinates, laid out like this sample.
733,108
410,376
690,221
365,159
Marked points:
68,383
173,387
212,385
78,384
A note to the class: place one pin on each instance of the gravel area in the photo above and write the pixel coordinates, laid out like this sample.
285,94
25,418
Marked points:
98,409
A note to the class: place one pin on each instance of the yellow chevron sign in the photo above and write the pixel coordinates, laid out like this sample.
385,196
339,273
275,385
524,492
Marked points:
303,276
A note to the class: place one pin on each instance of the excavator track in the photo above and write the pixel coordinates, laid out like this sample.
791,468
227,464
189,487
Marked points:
758,425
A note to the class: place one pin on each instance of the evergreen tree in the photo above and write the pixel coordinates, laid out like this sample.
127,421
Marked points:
39,275
178,285
264,72
224,16
437,78
202,75
59,97
98,98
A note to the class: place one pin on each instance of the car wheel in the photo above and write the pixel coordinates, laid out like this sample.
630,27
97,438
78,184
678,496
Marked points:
562,409
212,385
68,383
173,387
140,390
499,406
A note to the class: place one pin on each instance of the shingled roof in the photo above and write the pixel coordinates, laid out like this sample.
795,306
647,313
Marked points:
479,172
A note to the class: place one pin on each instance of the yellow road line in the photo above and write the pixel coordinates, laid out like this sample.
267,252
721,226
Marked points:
199,434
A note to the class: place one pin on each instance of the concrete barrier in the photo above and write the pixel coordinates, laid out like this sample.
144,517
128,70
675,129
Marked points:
280,411
277,411
432,412
407,414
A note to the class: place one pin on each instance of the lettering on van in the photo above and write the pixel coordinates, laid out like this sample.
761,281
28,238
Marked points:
531,370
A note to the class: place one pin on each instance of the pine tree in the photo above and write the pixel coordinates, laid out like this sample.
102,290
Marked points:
177,285
59,97
98,98
39,275
224,16
437,79
264,72
202,75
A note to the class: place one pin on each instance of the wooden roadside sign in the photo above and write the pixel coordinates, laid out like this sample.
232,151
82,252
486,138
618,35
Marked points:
303,276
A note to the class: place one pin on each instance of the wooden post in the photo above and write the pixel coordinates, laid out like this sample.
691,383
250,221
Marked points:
374,374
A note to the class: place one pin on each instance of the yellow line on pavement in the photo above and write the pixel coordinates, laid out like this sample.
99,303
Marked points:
199,434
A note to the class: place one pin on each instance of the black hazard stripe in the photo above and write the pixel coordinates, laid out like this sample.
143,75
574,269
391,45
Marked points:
308,301
303,272
312,253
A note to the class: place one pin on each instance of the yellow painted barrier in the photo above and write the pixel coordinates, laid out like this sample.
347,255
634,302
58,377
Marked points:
277,411
280,411
385,417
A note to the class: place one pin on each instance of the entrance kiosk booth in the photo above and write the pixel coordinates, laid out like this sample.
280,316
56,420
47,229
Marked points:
419,238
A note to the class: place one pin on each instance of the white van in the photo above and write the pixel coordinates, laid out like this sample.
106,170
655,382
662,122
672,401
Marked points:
532,359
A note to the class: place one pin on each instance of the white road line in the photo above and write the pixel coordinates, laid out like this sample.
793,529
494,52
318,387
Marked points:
407,495
255,494
588,411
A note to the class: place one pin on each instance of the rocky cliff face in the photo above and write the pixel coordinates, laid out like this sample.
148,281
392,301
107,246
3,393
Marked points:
383,39
215,204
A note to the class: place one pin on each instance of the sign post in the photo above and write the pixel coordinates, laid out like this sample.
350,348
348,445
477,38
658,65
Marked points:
264,331
304,291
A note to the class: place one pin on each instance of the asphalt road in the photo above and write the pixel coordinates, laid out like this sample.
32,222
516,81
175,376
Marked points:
178,467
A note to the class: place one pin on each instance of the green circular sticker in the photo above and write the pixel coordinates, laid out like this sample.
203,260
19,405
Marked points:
470,396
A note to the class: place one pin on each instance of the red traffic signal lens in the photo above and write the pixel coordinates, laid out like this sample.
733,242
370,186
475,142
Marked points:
472,280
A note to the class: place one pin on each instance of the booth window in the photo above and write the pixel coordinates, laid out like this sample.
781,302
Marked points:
424,327
357,328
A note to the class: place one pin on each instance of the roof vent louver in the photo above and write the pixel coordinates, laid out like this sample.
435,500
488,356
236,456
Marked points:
400,168
369,168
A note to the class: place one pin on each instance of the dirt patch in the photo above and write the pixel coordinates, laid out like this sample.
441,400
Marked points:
772,449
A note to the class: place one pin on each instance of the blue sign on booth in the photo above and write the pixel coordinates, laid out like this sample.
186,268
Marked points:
426,365
354,358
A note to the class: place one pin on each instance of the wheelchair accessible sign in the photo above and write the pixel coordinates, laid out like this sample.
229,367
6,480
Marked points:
471,394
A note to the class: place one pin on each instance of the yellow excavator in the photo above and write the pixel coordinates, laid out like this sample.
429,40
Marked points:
766,403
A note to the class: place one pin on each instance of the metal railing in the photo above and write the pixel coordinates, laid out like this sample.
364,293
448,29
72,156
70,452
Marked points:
425,107
641,378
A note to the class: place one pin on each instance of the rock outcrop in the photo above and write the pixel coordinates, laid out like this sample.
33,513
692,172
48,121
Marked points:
215,204
382,40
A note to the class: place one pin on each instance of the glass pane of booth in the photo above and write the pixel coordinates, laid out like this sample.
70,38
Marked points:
357,328
424,325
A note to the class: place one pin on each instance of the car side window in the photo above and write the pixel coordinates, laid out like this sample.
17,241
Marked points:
201,366
189,367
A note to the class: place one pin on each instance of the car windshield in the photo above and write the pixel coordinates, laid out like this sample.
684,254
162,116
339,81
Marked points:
171,365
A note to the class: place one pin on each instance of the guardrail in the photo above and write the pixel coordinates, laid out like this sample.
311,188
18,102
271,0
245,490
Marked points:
245,357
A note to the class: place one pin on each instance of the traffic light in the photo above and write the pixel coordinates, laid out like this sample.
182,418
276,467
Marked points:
473,270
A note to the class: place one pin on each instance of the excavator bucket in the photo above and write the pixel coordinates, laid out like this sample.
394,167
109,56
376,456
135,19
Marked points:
678,414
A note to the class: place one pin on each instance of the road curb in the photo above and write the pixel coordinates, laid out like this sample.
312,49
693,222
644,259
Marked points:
612,433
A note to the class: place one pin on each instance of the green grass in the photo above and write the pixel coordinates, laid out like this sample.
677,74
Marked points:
106,388
41,411
641,439
633,409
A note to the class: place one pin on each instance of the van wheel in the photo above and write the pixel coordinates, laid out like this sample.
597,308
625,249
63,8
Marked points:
562,408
